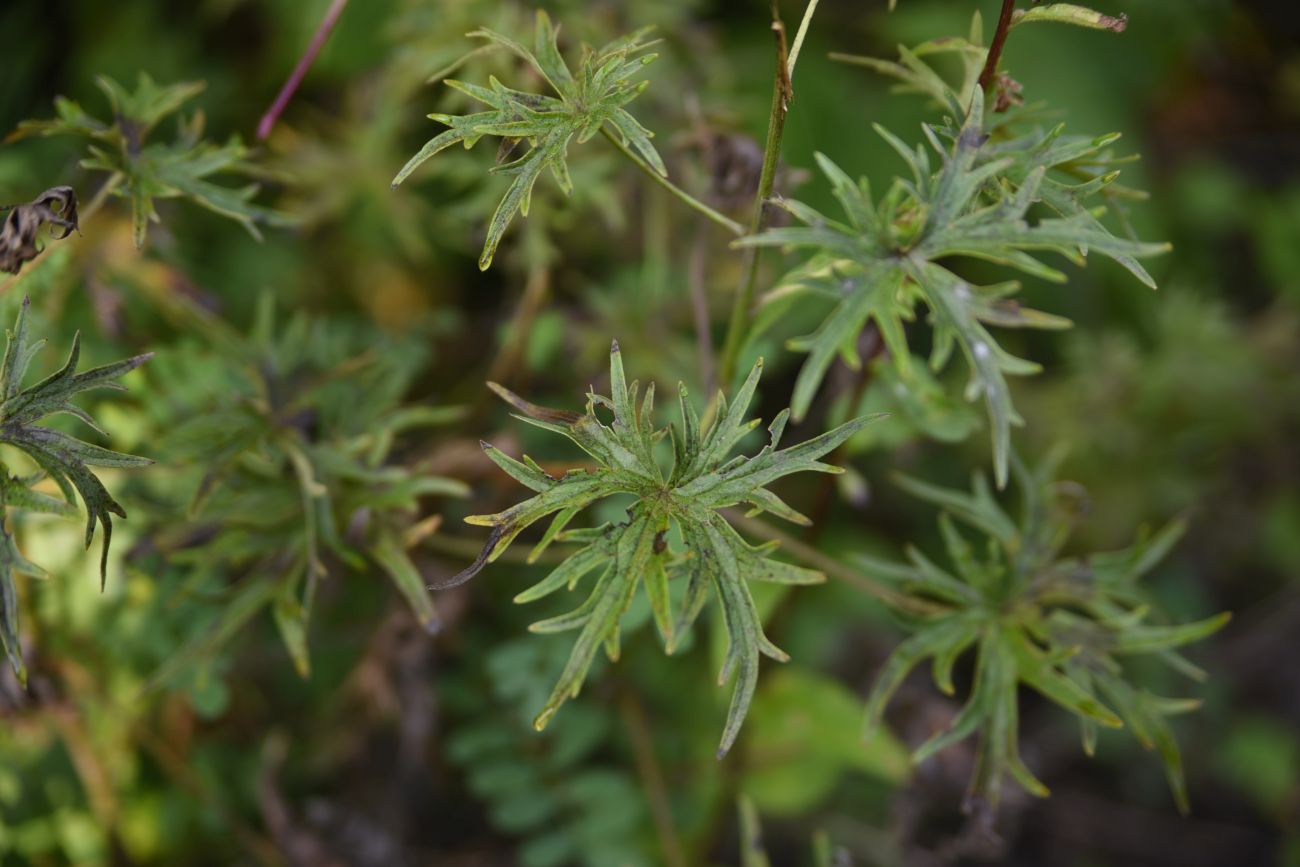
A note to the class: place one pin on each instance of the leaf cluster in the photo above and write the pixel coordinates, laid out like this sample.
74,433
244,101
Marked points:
56,456
684,502
1063,626
300,478
144,171
589,101
889,257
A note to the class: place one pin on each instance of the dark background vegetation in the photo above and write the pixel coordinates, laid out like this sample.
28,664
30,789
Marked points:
406,749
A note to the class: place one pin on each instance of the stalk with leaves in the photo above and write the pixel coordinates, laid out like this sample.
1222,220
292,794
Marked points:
585,103
144,171
298,478
62,459
988,183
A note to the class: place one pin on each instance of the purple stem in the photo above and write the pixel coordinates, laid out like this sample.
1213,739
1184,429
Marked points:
318,40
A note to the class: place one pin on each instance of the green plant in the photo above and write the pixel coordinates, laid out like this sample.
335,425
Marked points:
889,257
57,456
555,793
1061,625
143,171
686,500
590,102
296,452
308,464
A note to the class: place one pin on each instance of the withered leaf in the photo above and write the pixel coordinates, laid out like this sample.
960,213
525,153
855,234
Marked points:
18,237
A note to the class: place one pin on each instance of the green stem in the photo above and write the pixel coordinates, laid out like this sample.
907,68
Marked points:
797,46
686,198
101,195
536,288
812,557
739,325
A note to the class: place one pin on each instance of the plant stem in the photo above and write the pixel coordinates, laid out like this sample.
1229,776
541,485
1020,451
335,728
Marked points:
738,327
318,39
515,343
870,345
700,307
686,198
652,777
812,557
990,71
101,195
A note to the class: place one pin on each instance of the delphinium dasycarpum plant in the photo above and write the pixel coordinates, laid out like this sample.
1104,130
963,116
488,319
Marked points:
144,171
1062,625
684,500
988,183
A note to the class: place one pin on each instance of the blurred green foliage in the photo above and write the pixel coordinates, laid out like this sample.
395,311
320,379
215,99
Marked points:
163,724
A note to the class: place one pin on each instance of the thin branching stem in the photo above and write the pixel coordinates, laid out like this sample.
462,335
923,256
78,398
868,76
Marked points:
695,277
686,198
652,777
462,548
111,183
810,556
797,45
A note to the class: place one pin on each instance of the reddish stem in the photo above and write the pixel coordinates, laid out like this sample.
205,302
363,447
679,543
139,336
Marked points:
318,40
995,48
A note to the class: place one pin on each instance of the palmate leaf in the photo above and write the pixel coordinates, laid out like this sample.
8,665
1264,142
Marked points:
890,256
299,483
1060,626
685,499
146,171
60,457
585,103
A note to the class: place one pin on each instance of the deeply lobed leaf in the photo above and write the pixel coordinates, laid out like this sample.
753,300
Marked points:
1061,627
682,501
891,256
589,101
143,171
